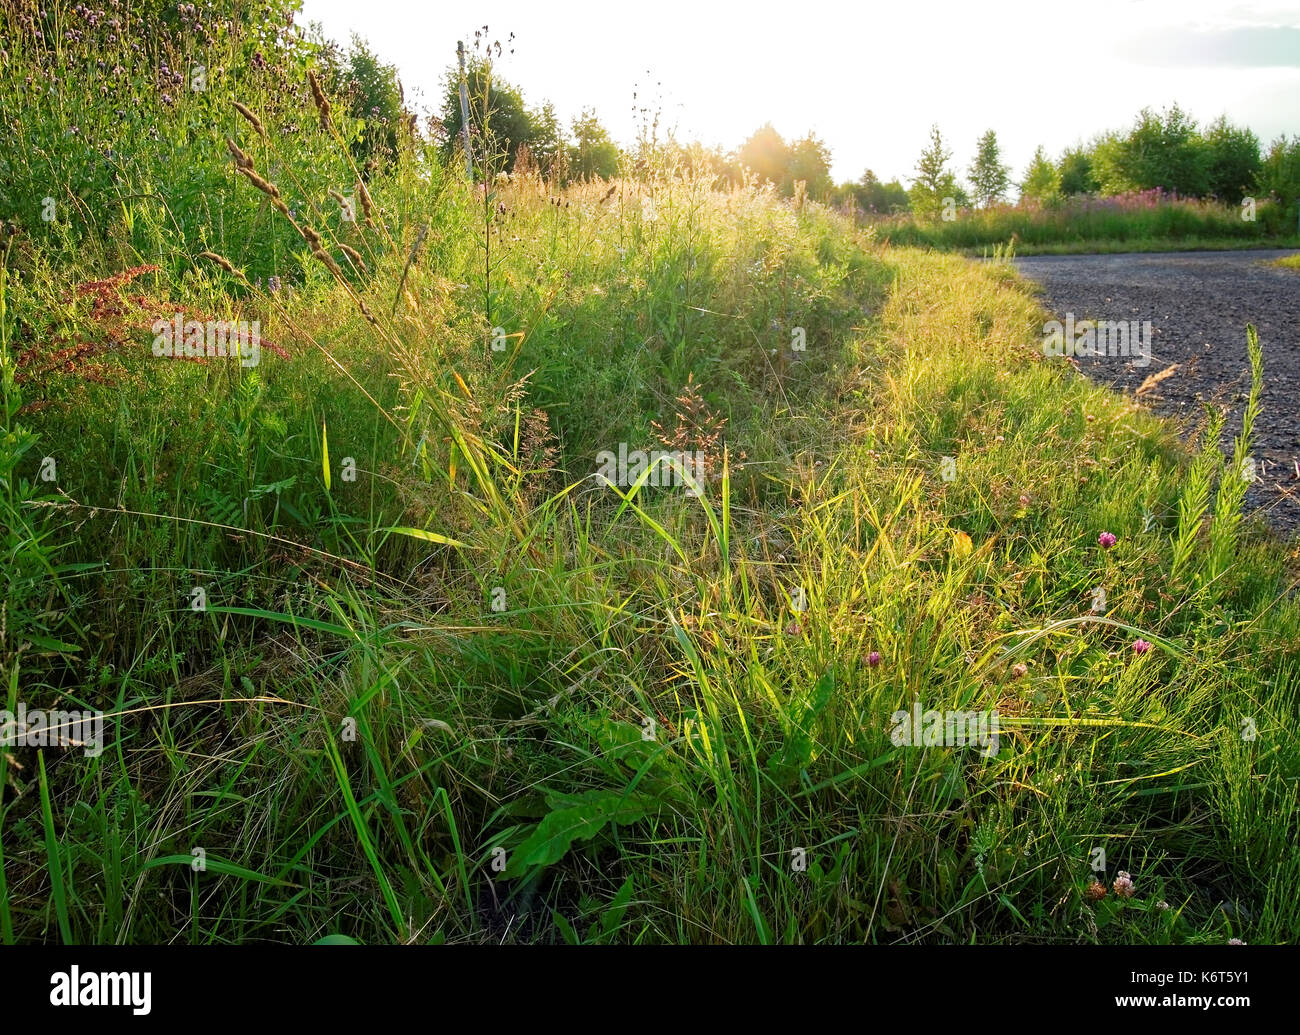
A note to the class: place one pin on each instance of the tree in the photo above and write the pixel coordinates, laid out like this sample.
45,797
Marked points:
893,198
810,161
1162,151
1234,162
769,157
1279,173
873,196
988,176
1076,172
1279,178
547,146
1042,181
374,95
698,160
498,120
592,153
934,181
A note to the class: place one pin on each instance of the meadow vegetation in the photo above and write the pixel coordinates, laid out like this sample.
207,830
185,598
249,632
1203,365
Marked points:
446,686
1147,221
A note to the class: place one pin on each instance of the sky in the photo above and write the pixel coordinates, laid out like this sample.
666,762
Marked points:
868,79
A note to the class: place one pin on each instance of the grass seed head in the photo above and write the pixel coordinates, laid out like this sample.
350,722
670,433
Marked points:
322,102
253,120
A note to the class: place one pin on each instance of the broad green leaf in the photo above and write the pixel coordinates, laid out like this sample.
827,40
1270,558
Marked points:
556,834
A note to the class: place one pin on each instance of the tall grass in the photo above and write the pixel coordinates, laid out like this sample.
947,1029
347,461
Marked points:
447,686
1144,221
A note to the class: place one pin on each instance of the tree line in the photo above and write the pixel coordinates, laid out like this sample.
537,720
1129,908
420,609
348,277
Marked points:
1161,151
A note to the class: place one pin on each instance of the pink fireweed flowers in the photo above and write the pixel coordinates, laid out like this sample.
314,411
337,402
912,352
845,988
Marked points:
1107,540
1141,646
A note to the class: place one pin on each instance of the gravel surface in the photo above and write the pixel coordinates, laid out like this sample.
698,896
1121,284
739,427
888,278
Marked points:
1198,305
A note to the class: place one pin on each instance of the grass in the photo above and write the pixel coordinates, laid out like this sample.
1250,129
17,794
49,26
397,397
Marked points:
1151,244
441,685
1084,224
1291,262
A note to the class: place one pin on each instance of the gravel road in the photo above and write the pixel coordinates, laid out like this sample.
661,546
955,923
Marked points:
1198,305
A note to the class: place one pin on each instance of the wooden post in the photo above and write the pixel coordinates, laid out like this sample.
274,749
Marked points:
464,111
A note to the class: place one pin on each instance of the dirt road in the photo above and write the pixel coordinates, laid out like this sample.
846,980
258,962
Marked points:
1197,305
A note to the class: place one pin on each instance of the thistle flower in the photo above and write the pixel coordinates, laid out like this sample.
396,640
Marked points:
873,659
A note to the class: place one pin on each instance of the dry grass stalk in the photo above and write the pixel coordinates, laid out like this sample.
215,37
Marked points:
322,102
221,261
367,205
354,256
242,161
410,258
253,120
1155,379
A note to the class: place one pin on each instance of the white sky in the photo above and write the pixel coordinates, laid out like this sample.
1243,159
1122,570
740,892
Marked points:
867,78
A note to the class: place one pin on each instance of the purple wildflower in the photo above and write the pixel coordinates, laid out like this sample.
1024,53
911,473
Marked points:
1107,540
